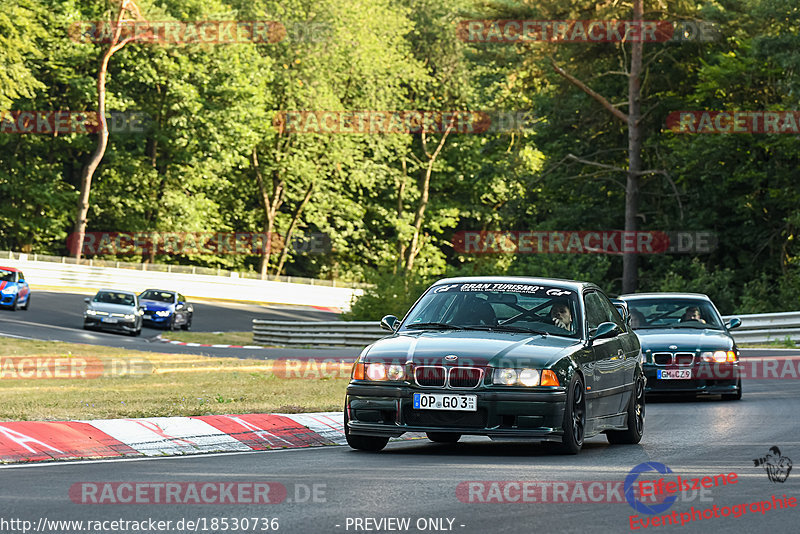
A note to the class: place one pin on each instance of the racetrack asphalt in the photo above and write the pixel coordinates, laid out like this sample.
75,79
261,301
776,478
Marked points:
329,488
57,316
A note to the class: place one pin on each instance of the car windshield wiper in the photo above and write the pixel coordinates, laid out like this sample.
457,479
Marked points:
444,326
505,328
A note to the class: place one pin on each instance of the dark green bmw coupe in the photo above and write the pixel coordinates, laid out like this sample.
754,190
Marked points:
688,350
549,360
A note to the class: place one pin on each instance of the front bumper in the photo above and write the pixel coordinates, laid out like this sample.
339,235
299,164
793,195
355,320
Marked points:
707,379
7,299
387,410
121,326
153,319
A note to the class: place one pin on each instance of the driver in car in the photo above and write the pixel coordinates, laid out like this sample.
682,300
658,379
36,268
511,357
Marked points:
692,314
561,316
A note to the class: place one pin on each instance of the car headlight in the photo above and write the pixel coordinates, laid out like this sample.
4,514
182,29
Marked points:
382,371
524,377
163,313
129,316
504,377
9,290
719,356
91,312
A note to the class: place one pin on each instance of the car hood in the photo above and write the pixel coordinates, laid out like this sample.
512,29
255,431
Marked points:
496,349
111,308
155,305
660,339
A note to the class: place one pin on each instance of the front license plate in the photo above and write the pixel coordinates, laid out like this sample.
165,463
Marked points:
443,401
110,320
674,374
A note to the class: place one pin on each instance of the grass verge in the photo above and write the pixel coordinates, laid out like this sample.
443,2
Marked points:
42,380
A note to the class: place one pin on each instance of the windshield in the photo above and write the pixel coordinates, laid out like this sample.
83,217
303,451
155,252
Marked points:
160,296
495,306
108,297
6,276
673,313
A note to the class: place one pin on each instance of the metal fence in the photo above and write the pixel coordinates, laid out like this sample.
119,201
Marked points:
69,276
181,269
766,327
757,328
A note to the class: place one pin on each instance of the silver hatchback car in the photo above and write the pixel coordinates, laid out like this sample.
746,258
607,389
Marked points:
115,310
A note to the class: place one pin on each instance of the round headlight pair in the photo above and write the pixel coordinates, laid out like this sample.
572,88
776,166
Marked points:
382,371
513,377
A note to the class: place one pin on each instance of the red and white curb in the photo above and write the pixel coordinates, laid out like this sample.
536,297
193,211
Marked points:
187,344
34,441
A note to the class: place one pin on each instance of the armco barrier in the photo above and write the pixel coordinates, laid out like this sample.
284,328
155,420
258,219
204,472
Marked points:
332,334
44,273
765,327
758,328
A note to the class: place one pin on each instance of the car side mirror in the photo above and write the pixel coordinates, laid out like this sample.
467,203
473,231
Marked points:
622,308
87,300
733,323
604,330
390,323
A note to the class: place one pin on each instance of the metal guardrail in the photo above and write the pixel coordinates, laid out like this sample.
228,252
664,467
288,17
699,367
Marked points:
318,334
756,328
766,327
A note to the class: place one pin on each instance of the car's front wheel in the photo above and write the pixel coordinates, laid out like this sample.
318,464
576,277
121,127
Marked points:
363,443
574,423
635,418
188,324
27,302
443,437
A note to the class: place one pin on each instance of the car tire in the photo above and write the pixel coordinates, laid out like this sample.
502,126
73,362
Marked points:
363,443
14,303
574,423
636,411
171,325
27,303
188,324
443,437
734,396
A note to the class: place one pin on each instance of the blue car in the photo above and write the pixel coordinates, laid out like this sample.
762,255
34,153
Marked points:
166,309
14,291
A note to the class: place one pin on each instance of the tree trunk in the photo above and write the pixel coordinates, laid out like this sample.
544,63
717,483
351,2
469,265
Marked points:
630,273
271,206
79,230
419,217
288,237
401,247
